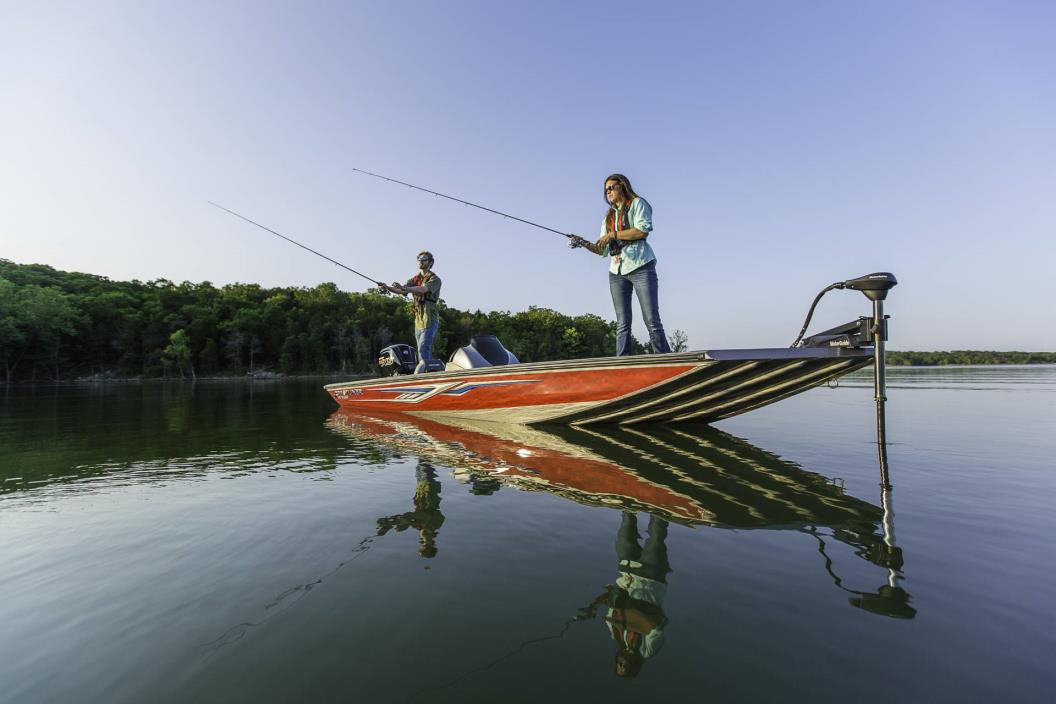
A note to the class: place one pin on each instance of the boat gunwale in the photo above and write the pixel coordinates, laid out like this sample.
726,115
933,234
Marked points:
700,357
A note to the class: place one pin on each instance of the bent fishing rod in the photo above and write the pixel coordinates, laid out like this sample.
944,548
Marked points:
572,238
318,254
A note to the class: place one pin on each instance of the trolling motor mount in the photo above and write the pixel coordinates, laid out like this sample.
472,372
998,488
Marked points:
856,334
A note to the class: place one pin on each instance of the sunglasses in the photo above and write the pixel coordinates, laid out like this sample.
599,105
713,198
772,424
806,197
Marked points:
424,259
613,187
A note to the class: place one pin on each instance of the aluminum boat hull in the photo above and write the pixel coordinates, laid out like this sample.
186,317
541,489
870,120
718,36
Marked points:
702,386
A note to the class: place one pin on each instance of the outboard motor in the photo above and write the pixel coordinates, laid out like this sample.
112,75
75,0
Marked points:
395,360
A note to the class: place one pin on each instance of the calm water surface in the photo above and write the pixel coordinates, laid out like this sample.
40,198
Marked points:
237,542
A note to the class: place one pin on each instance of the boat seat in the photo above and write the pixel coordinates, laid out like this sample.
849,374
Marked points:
492,350
466,358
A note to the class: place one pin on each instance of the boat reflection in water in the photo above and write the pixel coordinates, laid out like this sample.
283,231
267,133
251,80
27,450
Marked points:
694,475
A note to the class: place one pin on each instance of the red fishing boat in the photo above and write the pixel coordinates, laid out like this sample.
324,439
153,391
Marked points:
485,381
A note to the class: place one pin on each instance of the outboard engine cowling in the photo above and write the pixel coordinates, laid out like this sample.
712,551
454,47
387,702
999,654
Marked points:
395,360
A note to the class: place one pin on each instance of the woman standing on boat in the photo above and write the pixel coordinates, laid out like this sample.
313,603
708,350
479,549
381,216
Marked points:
632,263
424,287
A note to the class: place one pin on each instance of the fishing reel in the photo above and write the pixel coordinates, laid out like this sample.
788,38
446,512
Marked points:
575,242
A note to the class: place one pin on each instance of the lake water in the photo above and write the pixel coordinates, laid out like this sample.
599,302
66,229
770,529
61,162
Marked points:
242,542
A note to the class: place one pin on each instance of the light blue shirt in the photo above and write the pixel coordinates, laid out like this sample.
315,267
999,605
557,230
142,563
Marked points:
651,591
636,253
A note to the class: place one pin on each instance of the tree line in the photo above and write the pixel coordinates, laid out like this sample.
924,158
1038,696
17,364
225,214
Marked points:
929,359
57,325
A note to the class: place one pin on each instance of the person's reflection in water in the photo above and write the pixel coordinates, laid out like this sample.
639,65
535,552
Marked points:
425,517
635,618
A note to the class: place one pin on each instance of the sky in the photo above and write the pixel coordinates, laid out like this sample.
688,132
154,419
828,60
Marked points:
782,145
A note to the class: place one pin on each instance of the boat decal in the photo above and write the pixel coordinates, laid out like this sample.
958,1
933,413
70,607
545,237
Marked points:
421,392
469,386
406,390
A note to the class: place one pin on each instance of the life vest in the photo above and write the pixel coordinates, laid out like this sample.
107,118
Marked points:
618,220
422,298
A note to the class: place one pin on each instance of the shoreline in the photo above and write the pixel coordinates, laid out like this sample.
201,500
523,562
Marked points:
271,378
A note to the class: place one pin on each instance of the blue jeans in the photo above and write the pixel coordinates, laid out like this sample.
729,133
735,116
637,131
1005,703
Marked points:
643,281
652,557
425,345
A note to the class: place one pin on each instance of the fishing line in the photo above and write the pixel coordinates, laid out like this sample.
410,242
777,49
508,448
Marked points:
493,663
281,603
466,202
291,241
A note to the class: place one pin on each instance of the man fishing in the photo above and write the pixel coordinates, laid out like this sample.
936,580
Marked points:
424,287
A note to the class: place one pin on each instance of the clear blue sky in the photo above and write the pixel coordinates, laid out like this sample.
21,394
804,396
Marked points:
783,146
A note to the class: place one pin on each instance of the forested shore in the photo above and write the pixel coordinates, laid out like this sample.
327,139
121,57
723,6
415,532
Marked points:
933,359
60,326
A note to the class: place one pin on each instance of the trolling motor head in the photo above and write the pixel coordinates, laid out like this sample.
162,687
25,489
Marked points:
875,286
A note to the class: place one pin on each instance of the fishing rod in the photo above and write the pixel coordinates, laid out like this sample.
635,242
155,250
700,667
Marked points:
373,281
571,237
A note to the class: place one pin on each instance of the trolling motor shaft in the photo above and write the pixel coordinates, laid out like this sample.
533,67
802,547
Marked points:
859,333
875,287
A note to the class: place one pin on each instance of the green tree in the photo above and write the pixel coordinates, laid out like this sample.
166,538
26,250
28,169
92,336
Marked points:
12,328
178,353
37,319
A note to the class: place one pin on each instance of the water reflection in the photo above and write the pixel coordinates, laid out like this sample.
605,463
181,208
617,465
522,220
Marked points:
888,599
426,517
635,616
79,440
688,474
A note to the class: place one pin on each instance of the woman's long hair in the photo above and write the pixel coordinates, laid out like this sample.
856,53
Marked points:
628,196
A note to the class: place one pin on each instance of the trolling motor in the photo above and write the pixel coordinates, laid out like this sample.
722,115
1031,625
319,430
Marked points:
861,333
889,599
858,333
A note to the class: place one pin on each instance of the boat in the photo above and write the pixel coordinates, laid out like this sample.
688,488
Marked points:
485,381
